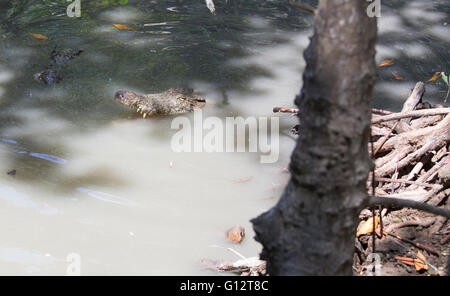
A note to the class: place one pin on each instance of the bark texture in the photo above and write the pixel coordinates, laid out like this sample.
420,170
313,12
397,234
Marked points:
311,231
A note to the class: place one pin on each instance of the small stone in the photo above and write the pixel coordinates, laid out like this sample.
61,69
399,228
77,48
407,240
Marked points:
12,172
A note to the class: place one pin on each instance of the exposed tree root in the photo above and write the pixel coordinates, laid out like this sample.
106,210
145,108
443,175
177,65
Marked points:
414,153
397,202
412,170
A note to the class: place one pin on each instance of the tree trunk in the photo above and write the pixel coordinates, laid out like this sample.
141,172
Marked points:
311,231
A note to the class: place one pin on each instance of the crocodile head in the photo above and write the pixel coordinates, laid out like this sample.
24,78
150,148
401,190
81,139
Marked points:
127,98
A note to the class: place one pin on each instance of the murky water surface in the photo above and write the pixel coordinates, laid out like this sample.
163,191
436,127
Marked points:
81,174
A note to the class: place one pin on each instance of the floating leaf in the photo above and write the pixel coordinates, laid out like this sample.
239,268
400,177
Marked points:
39,36
435,76
367,227
445,78
236,234
386,63
396,76
123,27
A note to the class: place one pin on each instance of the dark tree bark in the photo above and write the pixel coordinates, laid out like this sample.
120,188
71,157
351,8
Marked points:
311,231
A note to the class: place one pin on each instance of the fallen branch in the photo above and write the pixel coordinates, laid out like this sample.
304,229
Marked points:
404,203
295,110
420,142
284,110
303,6
410,104
424,223
388,180
384,140
415,113
381,111
417,245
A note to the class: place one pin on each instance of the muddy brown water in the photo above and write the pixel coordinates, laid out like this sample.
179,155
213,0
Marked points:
96,182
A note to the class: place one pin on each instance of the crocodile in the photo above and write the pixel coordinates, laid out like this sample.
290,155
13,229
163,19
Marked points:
169,102
58,58
48,76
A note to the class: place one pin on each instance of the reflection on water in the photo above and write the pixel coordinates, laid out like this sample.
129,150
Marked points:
51,158
93,179
106,197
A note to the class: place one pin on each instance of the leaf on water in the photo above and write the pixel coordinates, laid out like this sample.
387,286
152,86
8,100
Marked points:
367,226
246,179
236,234
39,36
396,76
123,27
435,76
445,77
386,63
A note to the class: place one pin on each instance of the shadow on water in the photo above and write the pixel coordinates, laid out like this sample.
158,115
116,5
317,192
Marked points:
172,44
416,35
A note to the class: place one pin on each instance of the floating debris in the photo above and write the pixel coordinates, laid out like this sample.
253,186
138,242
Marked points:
236,234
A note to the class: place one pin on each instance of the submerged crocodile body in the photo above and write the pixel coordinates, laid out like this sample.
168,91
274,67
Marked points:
172,101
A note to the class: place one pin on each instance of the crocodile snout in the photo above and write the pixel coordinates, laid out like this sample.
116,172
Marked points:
126,97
